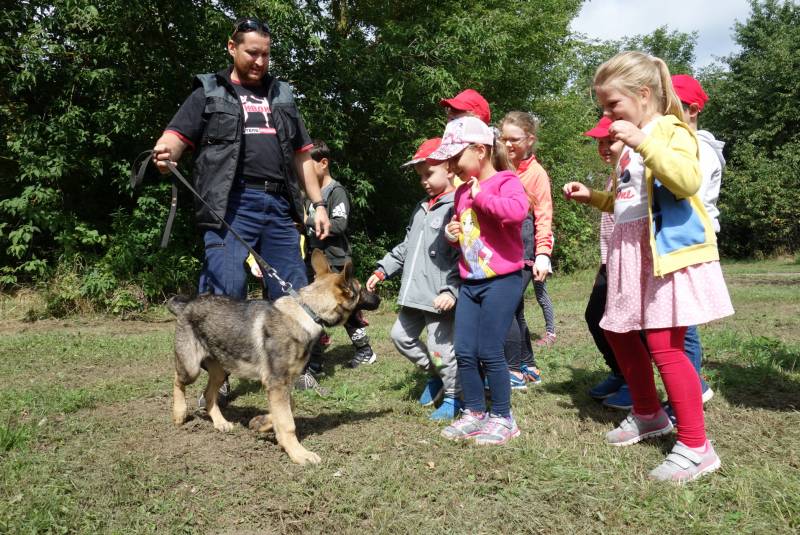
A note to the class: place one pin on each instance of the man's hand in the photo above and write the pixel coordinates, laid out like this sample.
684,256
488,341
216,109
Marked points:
443,302
373,282
322,225
168,147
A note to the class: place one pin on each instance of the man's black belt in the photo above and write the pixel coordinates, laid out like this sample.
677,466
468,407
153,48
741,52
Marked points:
267,186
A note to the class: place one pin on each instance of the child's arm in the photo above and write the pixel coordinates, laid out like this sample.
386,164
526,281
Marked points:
393,262
674,163
509,206
339,210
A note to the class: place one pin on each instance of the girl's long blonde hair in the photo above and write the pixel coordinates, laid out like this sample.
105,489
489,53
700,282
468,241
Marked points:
631,71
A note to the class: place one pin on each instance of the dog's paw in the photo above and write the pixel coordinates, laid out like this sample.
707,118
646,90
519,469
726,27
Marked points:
223,426
261,424
303,456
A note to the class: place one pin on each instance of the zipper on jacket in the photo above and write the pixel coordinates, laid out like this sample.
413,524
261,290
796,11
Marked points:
416,252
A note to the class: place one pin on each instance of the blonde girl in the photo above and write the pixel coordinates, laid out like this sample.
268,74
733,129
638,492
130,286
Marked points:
663,265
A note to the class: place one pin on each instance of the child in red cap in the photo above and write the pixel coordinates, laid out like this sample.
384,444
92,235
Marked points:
468,103
429,287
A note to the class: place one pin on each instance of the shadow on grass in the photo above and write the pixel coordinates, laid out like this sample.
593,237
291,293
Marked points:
757,386
577,387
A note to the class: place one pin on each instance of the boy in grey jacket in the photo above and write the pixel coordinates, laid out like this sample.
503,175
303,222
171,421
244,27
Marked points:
429,287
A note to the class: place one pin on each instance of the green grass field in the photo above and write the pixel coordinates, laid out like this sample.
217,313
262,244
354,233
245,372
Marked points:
87,443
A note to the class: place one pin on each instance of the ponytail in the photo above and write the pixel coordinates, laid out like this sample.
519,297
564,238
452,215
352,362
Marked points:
671,104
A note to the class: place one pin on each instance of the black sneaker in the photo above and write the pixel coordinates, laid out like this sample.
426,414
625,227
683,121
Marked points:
222,396
315,370
364,355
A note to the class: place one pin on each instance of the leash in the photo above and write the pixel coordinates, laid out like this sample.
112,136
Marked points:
266,270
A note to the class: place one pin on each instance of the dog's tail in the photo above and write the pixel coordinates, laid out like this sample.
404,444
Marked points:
178,303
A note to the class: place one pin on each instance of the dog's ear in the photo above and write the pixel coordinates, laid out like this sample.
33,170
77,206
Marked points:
320,263
346,276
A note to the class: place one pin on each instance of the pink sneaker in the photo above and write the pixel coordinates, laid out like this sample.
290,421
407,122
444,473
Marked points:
549,339
685,464
498,430
634,429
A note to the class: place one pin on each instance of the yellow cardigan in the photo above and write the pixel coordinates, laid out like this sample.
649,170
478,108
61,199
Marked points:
685,235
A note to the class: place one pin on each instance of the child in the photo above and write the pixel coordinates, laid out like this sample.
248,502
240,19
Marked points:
489,210
663,265
613,389
337,250
429,287
519,135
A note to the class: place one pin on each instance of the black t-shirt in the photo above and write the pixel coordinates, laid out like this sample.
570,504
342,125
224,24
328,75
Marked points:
260,157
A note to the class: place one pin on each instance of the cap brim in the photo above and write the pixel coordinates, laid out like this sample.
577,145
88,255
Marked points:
597,132
454,103
445,152
413,162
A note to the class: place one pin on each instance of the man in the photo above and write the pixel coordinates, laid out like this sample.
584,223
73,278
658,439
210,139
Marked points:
251,151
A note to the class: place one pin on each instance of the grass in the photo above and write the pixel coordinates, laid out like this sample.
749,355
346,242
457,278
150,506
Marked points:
87,444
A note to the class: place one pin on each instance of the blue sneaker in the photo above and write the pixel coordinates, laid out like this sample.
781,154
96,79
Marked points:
517,383
433,392
608,387
621,400
449,409
532,375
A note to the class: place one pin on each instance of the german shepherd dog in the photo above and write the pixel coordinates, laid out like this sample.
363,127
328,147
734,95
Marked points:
262,341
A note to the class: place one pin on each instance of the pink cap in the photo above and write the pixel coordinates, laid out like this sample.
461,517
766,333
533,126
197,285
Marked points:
689,90
601,130
469,100
458,135
424,151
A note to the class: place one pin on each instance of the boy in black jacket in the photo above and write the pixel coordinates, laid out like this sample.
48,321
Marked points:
337,250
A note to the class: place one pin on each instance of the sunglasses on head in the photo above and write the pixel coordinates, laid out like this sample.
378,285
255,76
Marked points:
252,25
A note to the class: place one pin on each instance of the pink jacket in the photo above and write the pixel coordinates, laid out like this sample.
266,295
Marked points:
490,239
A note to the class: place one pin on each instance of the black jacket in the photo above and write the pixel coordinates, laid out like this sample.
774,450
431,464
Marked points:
217,154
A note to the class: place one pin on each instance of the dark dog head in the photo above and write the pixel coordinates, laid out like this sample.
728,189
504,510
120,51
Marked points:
335,297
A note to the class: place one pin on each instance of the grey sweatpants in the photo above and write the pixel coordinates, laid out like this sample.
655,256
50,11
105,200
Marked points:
441,330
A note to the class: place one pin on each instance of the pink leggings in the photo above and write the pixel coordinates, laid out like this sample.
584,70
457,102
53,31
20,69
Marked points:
679,376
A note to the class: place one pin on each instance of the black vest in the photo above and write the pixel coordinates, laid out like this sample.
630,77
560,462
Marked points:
217,154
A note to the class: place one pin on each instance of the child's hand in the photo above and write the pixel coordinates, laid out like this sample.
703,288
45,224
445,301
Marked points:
443,302
627,132
256,271
453,228
372,282
575,191
475,185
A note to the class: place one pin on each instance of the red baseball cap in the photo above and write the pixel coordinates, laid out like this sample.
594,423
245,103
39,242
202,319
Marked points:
469,100
424,150
689,90
601,130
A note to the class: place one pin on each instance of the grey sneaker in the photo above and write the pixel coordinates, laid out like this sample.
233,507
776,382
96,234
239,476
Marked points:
633,429
222,396
307,382
498,430
364,355
466,426
684,464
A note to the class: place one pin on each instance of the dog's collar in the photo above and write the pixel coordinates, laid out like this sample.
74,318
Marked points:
296,297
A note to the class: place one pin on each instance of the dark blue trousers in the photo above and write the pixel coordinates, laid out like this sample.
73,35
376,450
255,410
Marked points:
484,313
262,220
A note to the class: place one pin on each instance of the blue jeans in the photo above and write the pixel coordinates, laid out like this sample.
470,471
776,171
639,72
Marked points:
694,352
484,312
262,220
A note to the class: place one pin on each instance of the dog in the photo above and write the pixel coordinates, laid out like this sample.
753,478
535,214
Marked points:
262,341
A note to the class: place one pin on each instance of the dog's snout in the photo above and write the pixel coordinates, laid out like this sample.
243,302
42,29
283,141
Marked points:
368,300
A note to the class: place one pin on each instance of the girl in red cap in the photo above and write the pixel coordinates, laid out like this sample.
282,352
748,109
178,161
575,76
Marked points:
663,265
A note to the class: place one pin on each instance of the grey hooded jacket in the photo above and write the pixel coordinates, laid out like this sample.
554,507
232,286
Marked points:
429,264
711,164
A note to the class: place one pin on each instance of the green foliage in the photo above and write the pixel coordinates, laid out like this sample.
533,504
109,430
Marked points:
755,107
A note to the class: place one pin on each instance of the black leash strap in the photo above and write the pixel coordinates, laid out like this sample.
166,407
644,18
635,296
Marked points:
266,271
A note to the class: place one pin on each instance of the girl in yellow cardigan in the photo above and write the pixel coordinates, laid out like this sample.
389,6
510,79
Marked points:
663,266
